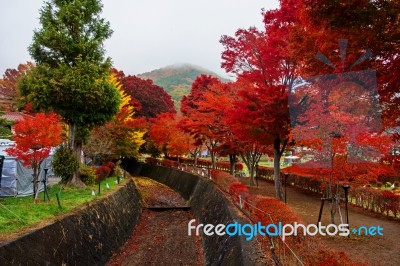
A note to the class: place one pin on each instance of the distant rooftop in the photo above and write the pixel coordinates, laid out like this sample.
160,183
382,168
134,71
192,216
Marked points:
15,116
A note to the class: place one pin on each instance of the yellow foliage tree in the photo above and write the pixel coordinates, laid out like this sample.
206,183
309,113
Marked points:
120,137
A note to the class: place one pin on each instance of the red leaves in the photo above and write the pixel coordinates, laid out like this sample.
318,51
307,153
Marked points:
200,86
204,110
161,129
8,85
102,172
279,211
169,163
322,23
376,200
390,202
223,178
225,166
34,137
151,160
202,118
167,137
261,113
357,174
248,55
148,98
237,189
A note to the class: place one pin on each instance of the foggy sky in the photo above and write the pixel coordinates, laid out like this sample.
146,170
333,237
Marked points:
148,34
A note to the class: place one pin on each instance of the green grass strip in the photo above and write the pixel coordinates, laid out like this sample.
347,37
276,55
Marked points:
17,213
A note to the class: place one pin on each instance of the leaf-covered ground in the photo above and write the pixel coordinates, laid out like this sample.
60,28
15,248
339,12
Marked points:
157,195
160,237
374,250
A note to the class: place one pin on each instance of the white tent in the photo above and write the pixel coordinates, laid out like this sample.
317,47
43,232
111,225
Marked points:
16,180
291,159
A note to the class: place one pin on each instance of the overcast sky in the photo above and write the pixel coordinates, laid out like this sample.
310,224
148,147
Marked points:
148,34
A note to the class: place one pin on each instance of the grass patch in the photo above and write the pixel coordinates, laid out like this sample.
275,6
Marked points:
19,213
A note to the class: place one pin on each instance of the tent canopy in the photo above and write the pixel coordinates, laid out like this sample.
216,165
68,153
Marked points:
17,180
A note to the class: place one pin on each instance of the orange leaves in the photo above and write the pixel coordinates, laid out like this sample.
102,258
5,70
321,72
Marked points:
204,111
121,136
34,137
8,85
162,128
201,109
168,137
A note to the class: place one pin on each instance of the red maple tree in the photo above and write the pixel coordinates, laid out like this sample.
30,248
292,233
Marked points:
8,86
204,124
338,125
259,58
370,29
147,98
34,137
163,128
169,138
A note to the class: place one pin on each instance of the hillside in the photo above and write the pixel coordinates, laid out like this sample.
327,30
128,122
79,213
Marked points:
177,79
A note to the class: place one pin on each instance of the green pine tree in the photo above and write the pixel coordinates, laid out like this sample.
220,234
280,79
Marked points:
71,76
5,127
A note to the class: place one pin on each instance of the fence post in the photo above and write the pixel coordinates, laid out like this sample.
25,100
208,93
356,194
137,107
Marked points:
1,166
58,200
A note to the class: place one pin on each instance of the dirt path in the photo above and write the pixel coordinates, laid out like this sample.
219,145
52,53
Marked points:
375,250
160,237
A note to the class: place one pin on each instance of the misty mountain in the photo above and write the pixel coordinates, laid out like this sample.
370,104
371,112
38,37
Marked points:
177,79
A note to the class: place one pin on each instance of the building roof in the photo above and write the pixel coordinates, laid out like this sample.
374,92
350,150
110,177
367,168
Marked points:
15,116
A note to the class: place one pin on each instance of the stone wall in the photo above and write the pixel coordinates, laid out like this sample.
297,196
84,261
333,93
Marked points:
210,206
85,237
88,236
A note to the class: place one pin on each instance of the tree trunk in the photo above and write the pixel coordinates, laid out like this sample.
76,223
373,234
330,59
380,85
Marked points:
213,161
277,169
195,159
76,147
35,175
165,152
35,183
250,160
251,173
232,161
332,211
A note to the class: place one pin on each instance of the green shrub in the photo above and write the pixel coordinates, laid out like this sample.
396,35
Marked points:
87,174
64,162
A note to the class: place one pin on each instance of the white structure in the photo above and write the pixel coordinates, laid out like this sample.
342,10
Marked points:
16,180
